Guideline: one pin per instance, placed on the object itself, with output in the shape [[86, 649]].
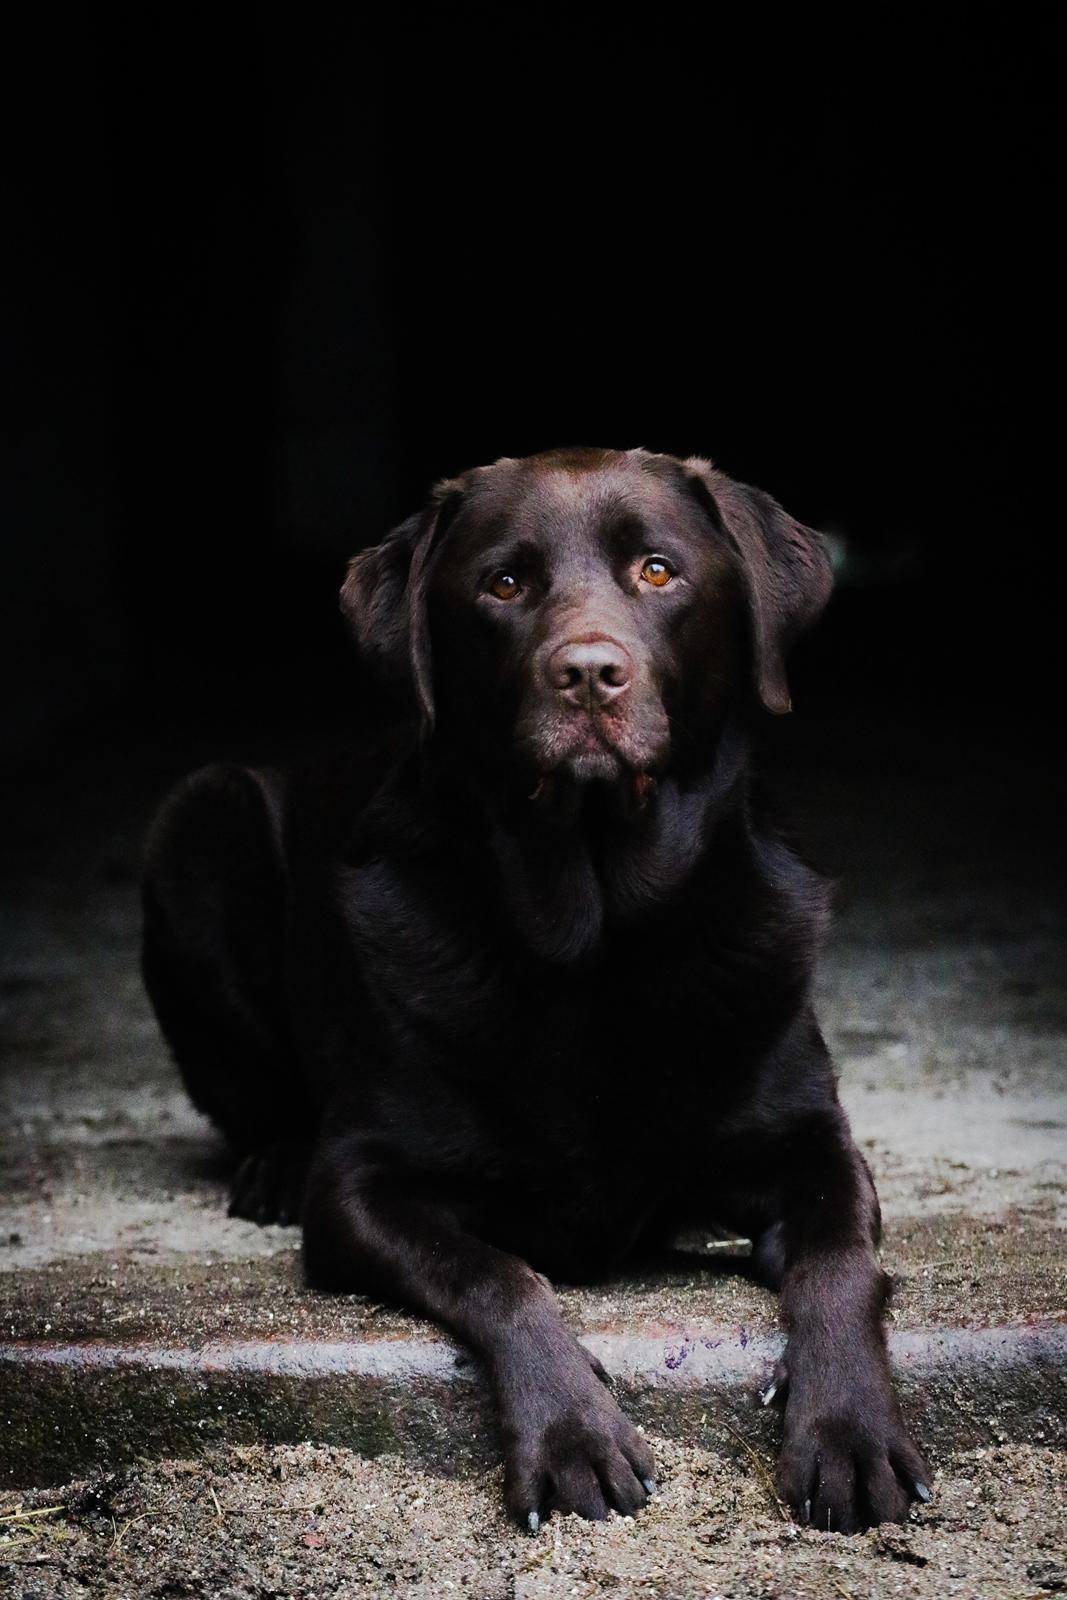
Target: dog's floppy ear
[[383, 600], [786, 569]]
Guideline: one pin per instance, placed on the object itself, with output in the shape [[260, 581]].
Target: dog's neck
[[566, 884]]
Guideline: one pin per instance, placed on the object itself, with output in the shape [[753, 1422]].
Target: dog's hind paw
[[268, 1186]]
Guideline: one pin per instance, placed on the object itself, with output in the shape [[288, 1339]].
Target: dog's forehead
[[570, 497]]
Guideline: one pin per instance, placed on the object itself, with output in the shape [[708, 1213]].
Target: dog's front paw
[[847, 1462], [568, 1446]]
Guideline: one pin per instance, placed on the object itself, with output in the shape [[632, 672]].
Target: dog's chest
[[640, 1043], [570, 1099], [588, 1061]]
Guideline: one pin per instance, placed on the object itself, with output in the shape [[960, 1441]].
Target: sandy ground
[[310, 1523]]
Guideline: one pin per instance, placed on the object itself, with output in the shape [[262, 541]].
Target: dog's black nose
[[589, 673]]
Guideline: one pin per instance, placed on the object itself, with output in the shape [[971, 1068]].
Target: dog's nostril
[[614, 674]]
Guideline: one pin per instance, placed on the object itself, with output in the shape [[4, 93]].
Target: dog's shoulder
[[334, 794]]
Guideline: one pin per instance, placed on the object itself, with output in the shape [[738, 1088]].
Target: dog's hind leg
[[213, 961]]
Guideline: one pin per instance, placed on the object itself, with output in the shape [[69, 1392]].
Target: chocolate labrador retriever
[[522, 980]]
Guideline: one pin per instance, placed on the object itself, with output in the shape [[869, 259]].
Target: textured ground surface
[[307, 1522], [944, 994]]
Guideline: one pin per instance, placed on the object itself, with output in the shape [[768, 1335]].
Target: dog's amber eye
[[505, 586], [657, 572]]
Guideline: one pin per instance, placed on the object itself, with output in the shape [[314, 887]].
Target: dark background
[[275, 277]]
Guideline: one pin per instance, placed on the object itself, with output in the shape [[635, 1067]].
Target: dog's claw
[[807, 1512], [533, 1522], [922, 1491], [649, 1486], [769, 1393]]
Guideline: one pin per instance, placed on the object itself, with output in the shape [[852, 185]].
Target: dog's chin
[[586, 766], [594, 781], [593, 764]]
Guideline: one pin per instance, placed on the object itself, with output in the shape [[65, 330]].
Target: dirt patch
[[311, 1523]]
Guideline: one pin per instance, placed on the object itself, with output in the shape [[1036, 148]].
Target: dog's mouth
[[569, 761], [591, 758]]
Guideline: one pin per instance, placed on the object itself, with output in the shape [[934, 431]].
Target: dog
[[520, 979]]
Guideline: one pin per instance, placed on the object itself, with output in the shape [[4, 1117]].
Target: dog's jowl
[[519, 980]]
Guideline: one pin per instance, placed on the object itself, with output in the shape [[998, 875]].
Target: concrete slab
[[105, 1403]]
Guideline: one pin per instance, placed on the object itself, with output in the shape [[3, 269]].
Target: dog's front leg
[[567, 1445], [847, 1461]]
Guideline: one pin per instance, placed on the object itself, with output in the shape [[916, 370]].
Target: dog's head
[[592, 613]]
